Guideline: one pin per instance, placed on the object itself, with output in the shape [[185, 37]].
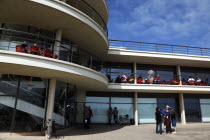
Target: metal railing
[[88, 10], [162, 79], [155, 47], [9, 39]]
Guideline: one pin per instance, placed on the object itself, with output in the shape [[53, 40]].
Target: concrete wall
[[80, 99]]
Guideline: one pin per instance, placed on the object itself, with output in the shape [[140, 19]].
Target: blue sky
[[177, 22]]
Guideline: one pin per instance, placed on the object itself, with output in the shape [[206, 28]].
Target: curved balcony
[[86, 8], [12, 40], [76, 25], [47, 58]]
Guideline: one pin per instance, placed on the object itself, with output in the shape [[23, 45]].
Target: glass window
[[100, 112], [121, 100], [8, 84], [124, 109], [147, 100], [28, 117], [146, 113], [205, 111], [97, 99], [33, 86], [192, 110], [6, 112]]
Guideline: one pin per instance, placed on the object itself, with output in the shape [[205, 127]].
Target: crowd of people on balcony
[[156, 79], [35, 49]]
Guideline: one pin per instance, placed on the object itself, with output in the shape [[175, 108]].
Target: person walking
[[110, 115], [115, 113], [90, 114], [158, 117], [86, 117], [173, 119]]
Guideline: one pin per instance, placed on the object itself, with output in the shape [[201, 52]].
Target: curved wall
[[76, 25], [38, 66]]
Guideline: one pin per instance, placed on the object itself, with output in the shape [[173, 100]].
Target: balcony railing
[[12, 40], [164, 48], [160, 79], [88, 10]]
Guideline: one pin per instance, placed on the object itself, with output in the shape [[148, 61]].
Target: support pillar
[[134, 72], [51, 99], [136, 108], [178, 71], [57, 44], [182, 109]]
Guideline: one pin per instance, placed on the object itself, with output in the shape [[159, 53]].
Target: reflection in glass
[[192, 110], [124, 109], [146, 113], [205, 110], [97, 99], [6, 112], [8, 84], [100, 112]]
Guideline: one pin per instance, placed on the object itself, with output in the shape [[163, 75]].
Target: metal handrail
[[155, 47], [69, 53], [91, 12]]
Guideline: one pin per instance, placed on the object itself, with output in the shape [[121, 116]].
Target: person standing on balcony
[[191, 81], [25, 46], [151, 74]]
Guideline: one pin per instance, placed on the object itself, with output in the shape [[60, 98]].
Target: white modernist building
[[56, 58]]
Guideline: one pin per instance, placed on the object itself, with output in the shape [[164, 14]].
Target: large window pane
[[124, 109], [146, 113], [100, 112], [8, 84], [121, 100], [6, 112], [192, 109], [205, 110], [97, 99]]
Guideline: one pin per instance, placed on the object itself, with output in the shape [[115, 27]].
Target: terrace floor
[[196, 131]]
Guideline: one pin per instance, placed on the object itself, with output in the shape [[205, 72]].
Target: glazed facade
[[69, 64]]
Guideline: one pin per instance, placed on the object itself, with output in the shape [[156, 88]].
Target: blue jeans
[[157, 125]]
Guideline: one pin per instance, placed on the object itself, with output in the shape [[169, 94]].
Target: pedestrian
[[86, 117], [173, 119], [115, 113], [110, 115], [158, 117], [167, 118], [90, 114]]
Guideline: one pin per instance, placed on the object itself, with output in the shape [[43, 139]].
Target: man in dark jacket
[[158, 116]]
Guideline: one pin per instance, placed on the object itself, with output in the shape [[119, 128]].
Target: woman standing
[[158, 120], [173, 119], [168, 121]]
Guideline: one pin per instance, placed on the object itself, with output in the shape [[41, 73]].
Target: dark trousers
[[157, 125], [115, 119], [168, 127], [87, 123]]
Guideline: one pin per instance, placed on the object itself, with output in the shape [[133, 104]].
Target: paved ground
[[141, 132]]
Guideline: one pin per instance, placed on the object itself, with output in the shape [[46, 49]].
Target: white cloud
[[168, 19]]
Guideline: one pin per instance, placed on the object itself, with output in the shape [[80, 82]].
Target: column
[[51, 99], [182, 109], [134, 72], [136, 108], [80, 103], [58, 37], [178, 71]]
